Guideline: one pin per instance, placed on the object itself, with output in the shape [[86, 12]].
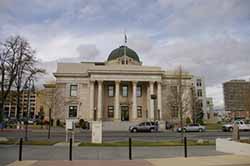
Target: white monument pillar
[[151, 103], [99, 104], [91, 100], [159, 101], [117, 102], [134, 106]]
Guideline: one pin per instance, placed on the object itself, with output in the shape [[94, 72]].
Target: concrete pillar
[[117, 101], [151, 102], [134, 106], [91, 100], [99, 101], [159, 101]]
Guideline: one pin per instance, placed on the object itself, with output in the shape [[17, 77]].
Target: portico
[[131, 100]]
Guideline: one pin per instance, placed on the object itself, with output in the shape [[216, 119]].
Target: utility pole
[[180, 101]]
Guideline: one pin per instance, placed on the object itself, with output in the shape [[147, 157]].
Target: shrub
[[188, 120], [81, 123]]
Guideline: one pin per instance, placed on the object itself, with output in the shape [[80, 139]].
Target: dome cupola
[[121, 51]]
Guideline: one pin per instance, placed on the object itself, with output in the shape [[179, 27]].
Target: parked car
[[144, 127], [192, 128], [240, 123]]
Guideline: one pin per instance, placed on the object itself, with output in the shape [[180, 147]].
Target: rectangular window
[[139, 111], [138, 91], [110, 111], [111, 91], [198, 83], [125, 91], [73, 90], [199, 92], [72, 111], [174, 111]]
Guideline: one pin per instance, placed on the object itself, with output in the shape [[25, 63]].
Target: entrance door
[[124, 113]]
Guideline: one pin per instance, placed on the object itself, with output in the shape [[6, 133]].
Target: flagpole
[[125, 47]]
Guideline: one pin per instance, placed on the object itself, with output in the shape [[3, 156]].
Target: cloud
[[141, 43], [87, 52]]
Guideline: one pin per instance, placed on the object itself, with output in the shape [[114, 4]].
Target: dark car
[[144, 127]]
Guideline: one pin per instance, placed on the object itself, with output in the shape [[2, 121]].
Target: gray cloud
[[217, 59], [87, 52]]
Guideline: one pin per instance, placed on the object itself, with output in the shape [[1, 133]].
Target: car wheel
[[184, 130], [152, 130], [200, 130], [230, 129], [134, 130]]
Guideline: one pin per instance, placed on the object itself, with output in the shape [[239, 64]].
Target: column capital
[[117, 81], [134, 82], [159, 82], [100, 81], [91, 81], [151, 82]]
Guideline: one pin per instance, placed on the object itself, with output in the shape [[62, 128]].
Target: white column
[[117, 102], [151, 103], [134, 106], [159, 101], [99, 102], [91, 100]]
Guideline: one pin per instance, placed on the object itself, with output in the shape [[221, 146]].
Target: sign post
[[70, 127]]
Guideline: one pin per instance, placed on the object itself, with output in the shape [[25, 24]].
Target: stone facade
[[120, 90]]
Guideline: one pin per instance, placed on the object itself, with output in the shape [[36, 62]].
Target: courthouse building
[[120, 91]]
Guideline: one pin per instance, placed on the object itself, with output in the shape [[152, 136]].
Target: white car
[[240, 123]]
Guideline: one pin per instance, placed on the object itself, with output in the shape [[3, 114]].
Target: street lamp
[[27, 86]]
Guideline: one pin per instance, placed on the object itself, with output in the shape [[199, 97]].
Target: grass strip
[[143, 143], [29, 142]]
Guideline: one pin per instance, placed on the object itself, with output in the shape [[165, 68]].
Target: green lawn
[[29, 142], [143, 143]]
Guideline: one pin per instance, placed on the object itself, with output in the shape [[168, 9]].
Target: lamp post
[[27, 86]]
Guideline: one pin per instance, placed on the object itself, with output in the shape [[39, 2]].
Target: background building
[[200, 91], [237, 98], [27, 99]]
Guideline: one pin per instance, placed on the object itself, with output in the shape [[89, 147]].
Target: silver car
[[192, 128], [144, 127]]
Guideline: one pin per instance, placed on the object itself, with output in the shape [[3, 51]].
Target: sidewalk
[[226, 160]]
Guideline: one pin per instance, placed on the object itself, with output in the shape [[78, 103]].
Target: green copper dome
[[119, 52]]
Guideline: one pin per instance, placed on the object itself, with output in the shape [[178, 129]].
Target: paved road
[[122, 136], [9, 153]]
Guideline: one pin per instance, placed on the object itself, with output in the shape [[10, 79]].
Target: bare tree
[[9, 51], [17, 68], [50, 98], [26, 70], [179, 99]]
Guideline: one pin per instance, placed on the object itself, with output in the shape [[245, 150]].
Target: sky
[[209, 38]]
